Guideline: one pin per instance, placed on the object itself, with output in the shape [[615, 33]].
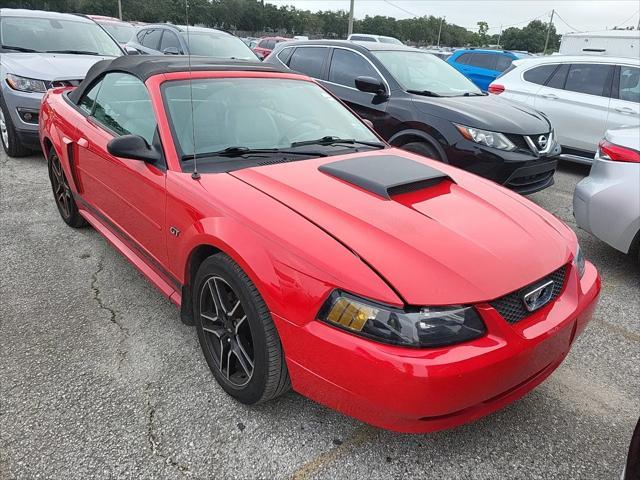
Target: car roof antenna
[[195, 175]]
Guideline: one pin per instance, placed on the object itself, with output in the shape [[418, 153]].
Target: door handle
[[83, 142], [626, 110], [550, 96]]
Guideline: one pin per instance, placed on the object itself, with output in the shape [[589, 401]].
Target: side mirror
[[171, 51], [129, 50], [370, 85], [134, 147]]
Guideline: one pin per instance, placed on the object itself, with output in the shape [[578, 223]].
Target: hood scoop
[[385, 175]]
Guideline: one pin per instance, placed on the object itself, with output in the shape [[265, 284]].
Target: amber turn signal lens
[[351, 314]]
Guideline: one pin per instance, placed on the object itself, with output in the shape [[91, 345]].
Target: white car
[[366, 37], [583, 96], [607, 202]]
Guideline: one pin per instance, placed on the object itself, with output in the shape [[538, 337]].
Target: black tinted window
[[270, 44], [123, 106], [346, 66], [558, 78], [629, 86], [480, 60], [284, 54], [263, 43], [89, 98], [503, 62], [308, 60], [170, 40], [539, 75], [592, 79], [152, 38]]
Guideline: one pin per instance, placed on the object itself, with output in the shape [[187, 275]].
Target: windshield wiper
[[19, 49], [331, 140], [74, 52], [245, 151], [426, 93], [473, 94]]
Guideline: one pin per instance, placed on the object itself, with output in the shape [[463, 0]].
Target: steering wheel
[[299, 130]]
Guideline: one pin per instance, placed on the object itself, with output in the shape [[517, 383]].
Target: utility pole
[[120, 9], [500, 36], [546, 42], [440, 29], [351, 18]]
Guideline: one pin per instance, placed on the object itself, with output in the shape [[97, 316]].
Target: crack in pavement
[[96, 296], [359, 436], [154, 441]]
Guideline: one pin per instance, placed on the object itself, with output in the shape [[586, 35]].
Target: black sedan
[[420, 103]]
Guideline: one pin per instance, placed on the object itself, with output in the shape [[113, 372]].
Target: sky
[[582, 15]]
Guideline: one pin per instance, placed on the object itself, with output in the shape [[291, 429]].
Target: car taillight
[[496, 88], [611, 151]]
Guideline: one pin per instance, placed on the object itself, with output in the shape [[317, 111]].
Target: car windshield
[[238, 114], [122, 32], [56, 36], [423, 72], [221, 45]]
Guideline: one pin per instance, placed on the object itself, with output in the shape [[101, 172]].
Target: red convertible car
[[310, 254]]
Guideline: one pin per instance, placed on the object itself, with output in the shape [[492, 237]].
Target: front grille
[[520, 141], [511, 306]]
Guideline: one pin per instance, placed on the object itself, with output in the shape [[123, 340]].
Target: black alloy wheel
[[62, 193], [236, 332]]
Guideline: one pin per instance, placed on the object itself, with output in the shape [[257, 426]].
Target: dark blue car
[[483, 66]]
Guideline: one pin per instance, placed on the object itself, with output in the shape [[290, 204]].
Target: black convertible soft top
[[145, 66]]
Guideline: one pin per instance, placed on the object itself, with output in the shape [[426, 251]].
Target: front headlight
[[487, 138], [25, 84], [417, 327], [578, 261]]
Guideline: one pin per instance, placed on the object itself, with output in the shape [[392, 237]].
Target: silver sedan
[[607, 202]]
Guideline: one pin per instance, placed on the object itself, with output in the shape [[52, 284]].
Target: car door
[[127, 195], [344, 67], [624, 105], [576, 100]]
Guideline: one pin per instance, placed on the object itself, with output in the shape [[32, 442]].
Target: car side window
[[347, 65], [140, 35], [559, 77], [629, 84], [483, 60], [503, 62], [88, 100], [285, 54], [263, 44], [170, 40], [308, 60], [152, 38], [539, 75], [589, 78], [123, 106], [356, 38], [463, 59], [270, 44]]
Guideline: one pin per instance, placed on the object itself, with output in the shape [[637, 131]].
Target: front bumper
[[519, 170], [607, 202], [423, 390], [23, 101]]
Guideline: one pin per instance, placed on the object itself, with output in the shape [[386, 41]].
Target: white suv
[[583, 96]]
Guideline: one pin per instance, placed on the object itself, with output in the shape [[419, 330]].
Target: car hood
[[49, 66], [488, 112], [463, 240]]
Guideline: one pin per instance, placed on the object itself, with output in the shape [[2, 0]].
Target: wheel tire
[[422, 148], [8, 136], [227, 335], [62, 192]]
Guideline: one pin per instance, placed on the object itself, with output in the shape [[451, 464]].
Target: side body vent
[[385, 175]]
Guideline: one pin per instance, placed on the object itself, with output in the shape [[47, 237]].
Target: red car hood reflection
[[464, 241]]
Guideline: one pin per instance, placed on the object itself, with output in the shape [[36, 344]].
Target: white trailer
[[612, 43]]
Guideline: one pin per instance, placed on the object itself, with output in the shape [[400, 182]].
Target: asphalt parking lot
[[100, 379]]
